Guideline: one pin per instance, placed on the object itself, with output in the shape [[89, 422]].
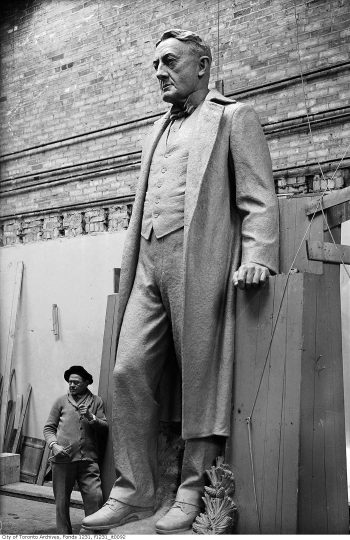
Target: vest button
[[163, 169]]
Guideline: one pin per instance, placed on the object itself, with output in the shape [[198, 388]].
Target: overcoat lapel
[[207, 128]]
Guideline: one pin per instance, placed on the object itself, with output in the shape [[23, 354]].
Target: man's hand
[[250, 275], [84, 411], [58, 450]]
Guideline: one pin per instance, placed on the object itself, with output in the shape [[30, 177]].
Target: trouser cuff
[[179, 500]]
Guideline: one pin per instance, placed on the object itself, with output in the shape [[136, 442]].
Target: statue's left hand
[[250, 275]]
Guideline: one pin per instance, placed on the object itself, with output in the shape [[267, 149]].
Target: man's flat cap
[[78, 370]]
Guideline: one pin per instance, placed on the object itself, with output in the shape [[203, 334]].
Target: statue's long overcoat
[[231, 217]]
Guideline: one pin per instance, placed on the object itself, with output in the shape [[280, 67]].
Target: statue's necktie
[[176, 113]]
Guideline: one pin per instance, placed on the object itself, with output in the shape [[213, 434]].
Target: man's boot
[[178, 519], [199, 455], [115, 513]]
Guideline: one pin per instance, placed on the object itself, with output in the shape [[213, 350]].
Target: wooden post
[[43, 466], [116, 279], [105, 390], [17, 441], [9, 351]]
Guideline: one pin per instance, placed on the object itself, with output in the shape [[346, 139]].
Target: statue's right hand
[[58, 450]]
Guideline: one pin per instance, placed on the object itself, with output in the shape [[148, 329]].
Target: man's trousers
[[64, 475], [151, 327]]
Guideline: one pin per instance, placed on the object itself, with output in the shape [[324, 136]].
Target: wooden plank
[[1, 388], [281, 484], [270, 420], [287, 517], [9, 359], [329, 200], [253, 332], [238, 454], [105, 390], [116, 276], [337, 215], [281, 461], [19, 402], [264, 300], [293, 225], [319, 514], [307, 391], [328, 252], [329, 404], [11, 411], [12, 417], [43, 466], [32, 450], [16, 442]]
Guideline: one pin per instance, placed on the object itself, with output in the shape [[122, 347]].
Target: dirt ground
[[25, 516]]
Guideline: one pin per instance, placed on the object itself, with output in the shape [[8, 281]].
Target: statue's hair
[[196, 43]]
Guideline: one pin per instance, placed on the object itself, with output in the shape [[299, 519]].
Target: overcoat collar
[[204, 138], [160, 125]]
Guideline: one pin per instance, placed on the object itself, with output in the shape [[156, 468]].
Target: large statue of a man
[[205, 220]]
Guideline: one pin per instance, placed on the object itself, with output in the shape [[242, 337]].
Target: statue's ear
[[204, 65]]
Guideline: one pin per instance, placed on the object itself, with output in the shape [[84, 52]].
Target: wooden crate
[[9, 468], [298, 428], [32, 450]]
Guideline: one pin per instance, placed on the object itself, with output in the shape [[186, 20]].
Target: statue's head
[[182, 63]]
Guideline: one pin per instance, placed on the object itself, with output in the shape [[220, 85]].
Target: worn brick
[[45, 100]]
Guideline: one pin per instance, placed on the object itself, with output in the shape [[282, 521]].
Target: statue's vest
[[164, 204]]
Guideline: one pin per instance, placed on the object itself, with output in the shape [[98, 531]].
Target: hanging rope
[[303, 85], [218, 40], [249, 425]]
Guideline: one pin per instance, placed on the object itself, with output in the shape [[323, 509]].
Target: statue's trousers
[[151, 329]]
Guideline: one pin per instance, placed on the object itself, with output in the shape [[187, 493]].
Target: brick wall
[[78, 94]]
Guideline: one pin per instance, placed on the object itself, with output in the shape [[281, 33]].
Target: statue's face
[[177, 69]]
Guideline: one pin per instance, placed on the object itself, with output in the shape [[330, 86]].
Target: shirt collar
[[190, 104]]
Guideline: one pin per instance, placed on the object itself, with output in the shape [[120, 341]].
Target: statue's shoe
[[179, 518], [115, 513]]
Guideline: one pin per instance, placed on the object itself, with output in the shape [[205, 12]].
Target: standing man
[[205, 220], [75, 428]]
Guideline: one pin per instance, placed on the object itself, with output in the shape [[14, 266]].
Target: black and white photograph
[[174, 268]]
